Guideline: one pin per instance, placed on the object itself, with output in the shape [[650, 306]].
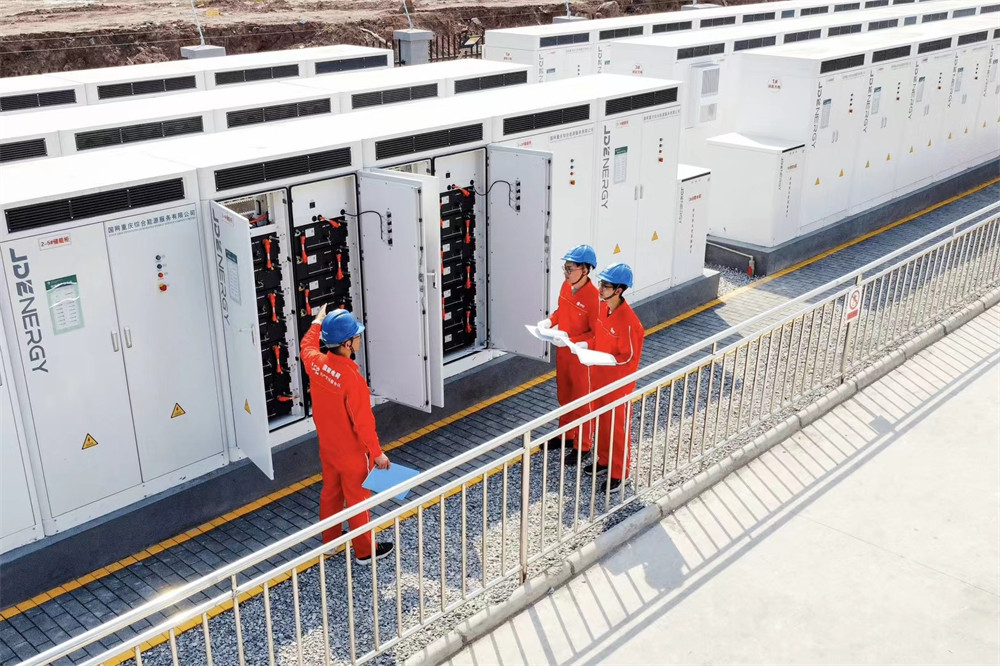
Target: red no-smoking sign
[[853, 309]]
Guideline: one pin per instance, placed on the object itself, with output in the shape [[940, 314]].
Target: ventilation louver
[[93, 205], [543, 119], [843, 30], [351, 64], [262, 172], [393, 96], [258, 74], [563, 40], [37, 100], [936, 45], [133, 88], [416, 143], [640, 101], [490, 81], [838, 64], [672, 27], [762, 16], [266, 114], [133, 133], [972, 38], [620, 33], [22, 150], [890, 54]]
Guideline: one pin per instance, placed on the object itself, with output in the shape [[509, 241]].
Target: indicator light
[[163, 287]]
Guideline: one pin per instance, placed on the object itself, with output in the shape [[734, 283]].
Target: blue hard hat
[[617, 274], [339, 326], [582, 254]]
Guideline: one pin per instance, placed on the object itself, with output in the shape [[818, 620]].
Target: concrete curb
[[530, 592]]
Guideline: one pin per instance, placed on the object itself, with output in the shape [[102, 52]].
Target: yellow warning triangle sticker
[[655, 237], [966, 130], [888, 156], [841, 174], [89, 442], [817, 181], [928, 144], [617, 250], [949, 135], [246, 406], [867, 164], [178, 411], [911, 149]]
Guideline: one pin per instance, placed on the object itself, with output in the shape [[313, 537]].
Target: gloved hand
[[582, 345], [545, 323], [321, 315], [560, 338]]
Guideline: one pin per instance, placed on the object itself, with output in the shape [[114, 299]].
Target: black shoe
[[615, 483], [574, 456], [555, 444], [381, 550], [601, 469]]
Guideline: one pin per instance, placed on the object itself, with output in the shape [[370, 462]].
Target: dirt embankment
[[65, 35]]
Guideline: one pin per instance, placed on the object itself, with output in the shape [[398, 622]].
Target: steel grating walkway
[[48, 619]]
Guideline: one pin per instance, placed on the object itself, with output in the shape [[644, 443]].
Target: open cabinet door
[[518, 242], [237, 295], [402, 286]]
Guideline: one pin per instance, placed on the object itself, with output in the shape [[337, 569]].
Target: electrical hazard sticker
[[178, 411], [246, 406], [89, 442]]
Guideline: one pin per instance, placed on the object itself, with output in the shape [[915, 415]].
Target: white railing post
[[525, 499]]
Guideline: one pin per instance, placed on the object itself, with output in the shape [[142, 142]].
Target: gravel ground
[[731, 279], [731, 399]]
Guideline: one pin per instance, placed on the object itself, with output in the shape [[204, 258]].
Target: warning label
[[246, 406], [89, 442], [178, 411]]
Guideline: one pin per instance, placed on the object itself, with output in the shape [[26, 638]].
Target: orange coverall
[[621, 335], [348, 442], [576, 315]]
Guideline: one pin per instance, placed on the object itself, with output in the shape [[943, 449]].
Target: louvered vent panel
[[262, 172], [192, 125], [180, 83], [973, 38], [244, 117], [143, 132], [92, 205], [641, 101], [226, 78], [149, 87], [570, 114], [424, 92], [281, 112], [350, 64], [36, 100], [258, 74], [396, 95], [314, 107], [841, 63], [113, 90], [22, 150], [98, 138], [890, 54], [416, 143], [936, 45], [362, 100]]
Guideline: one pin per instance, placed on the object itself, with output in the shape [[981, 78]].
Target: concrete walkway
[[872, 536]]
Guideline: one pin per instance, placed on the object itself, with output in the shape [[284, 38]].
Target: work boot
[[555, 443], [574, 456], [615, 483], [381, 550], [601, 469]]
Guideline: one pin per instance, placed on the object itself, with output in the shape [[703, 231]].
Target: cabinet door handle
[[128, 337], [635, 193], [114, 341], [640, 191]]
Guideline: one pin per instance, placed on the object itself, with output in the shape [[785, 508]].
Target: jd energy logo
[[220, 260], [30, 322], [606, 168]]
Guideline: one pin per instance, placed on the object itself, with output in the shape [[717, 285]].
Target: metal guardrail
[[521, 511]]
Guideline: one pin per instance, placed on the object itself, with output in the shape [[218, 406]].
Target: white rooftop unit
[[23, 94], [65, 131], [705, 60], [117, 83], [877, 114], [578, 48]]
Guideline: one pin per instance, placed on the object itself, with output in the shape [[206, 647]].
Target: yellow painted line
[[284, 492]]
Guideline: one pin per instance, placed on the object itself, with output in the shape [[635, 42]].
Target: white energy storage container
[[20, 522], [706, 60], [579, 48], [693, 200], [105, 307], [23, 94], [849, 101], [65, 131], [109, 84]]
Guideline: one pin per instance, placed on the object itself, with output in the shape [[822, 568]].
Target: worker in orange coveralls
[[576, 317], [620, 334], [348, 443]]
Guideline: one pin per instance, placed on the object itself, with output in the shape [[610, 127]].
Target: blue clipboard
[[380, 480]]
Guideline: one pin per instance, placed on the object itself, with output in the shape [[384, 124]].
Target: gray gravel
[[731, 279], [732, 400]]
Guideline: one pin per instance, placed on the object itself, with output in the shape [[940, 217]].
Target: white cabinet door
[[518, 243], [16, 514], [658, 206], [158, 273], [71, 350], [618, 192], [238, 301], [401, 294]]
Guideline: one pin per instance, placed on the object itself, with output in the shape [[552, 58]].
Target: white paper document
[[560, 339]]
